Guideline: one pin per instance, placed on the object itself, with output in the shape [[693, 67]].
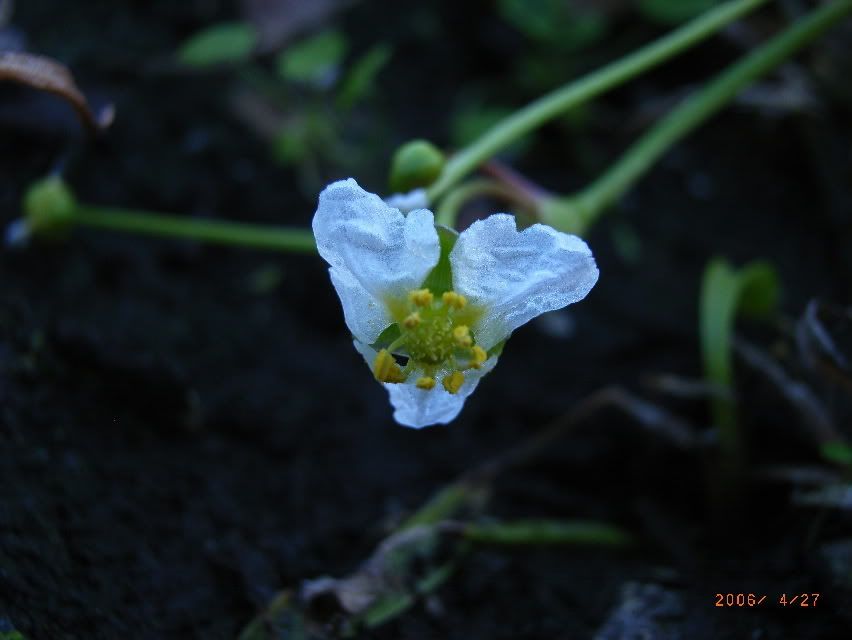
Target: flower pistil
[[435, 336]]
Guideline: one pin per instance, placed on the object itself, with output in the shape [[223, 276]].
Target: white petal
[[410, 201], [516, 276], [418, 408], [375, 252]]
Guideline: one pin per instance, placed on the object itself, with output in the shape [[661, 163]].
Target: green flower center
[[433, 333]]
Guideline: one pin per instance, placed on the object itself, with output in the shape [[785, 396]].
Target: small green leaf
[[358, 83], [725, 292], [223, 43], [753, 290], [290, 145], [560, 24], [546, 532], [759, 290], [837, 452], [669, 12], [315, 60]]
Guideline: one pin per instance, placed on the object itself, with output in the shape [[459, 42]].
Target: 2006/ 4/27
[[752, 600]]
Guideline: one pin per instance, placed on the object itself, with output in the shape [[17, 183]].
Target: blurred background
[[186, 430]]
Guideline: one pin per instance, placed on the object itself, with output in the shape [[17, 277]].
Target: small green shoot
[[315, 61], [360, 80], [726, 292], [546, 532], [838, 453], [223, 43]]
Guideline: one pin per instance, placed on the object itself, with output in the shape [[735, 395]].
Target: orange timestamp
[[758, 600]]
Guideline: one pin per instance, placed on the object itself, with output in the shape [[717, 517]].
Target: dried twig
[[818, 348], [813, 413], [46, 74]]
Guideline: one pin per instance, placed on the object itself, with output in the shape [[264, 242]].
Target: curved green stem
[[215, 231], [584, 89], [581, 210], [448, 211]]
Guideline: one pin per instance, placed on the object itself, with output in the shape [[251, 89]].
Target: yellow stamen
[[412, 320], [478, 356], [453, 299], [426, 383], [453, 382], [461, 335], [386, 369], [421, 297]]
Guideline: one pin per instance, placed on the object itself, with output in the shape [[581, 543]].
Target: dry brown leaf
[[823, 338], [45, 74]]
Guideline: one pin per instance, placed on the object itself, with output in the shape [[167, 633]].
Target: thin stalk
[[584, 89], [592, 201], [215, 231], [449, 209]]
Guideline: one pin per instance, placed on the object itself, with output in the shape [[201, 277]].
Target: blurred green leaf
[[546, 532], [724, 292], [759, 290], [358, 83], [669, 12], [837, 452], [226, 42], [289, 145], [315, 60], [562, 24]]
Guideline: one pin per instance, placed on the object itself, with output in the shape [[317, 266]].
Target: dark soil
[[176, 446]]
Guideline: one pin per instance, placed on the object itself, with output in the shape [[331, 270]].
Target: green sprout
[[725, 293]]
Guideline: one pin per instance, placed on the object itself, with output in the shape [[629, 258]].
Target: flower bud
[[415, 164], [49, 207]]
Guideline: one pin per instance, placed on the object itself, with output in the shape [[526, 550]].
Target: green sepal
[[387, 337], [497, 349], [440, 279]]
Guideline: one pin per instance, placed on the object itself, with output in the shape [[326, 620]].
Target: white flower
[[447, 320]]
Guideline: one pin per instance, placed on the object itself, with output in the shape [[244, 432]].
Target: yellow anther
[[478, 356], [453, 382], [386, 369], [426, 383], [454, 300], [412, 320], [461, 335], [421, 297]]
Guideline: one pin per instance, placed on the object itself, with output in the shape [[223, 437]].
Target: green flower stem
[[584, 89], [545, 532], [215, 231], [578, 212], [448, 211]]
